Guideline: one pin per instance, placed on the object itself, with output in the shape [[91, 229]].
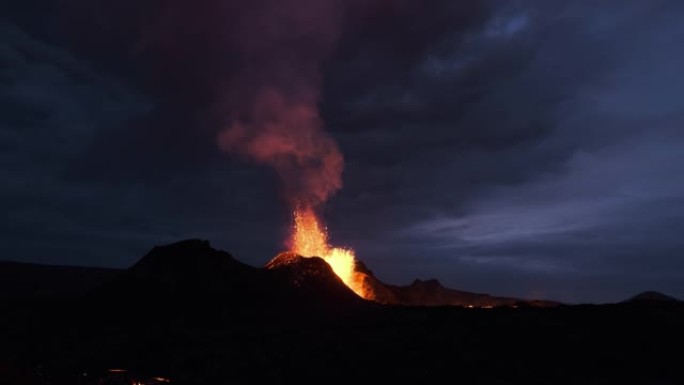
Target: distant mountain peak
[[652, 296], [186, 269], [433, 283], [185, 256]]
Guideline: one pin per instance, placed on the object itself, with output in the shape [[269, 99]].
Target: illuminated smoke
[[273, 99]]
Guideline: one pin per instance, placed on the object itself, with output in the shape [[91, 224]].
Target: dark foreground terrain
[[188, 314]]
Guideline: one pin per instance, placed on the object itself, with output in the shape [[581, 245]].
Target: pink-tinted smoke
[[288, 135], [252, 67], [272, 102]]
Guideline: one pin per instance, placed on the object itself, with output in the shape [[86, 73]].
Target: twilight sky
[[528, 148]]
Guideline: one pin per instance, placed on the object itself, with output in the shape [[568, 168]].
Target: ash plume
[[273, 98]]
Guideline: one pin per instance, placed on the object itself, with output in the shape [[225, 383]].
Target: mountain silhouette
[[432, 293], [192, 314], [184, 270], [192, 269], [652, 297]]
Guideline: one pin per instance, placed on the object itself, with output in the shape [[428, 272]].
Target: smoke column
[[273, 99]]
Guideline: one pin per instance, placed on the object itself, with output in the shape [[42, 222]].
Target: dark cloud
[[74, 192], [523, 148], [542, 143]]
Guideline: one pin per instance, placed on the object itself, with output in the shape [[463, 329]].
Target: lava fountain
[[310, 239]]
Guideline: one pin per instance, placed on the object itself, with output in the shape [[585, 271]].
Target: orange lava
[[310, 239]]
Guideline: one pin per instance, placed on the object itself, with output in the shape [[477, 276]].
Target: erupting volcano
[[310, 239], [275, 121]]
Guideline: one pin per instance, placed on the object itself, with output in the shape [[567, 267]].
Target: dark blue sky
[[524, 148]]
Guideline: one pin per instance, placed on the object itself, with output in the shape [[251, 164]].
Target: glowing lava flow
[[310, 239]]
